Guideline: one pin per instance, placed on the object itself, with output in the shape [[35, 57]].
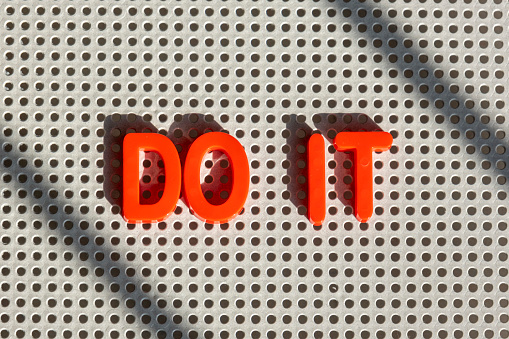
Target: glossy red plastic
[[316, 179], [133, 211], [216, 141], [363, 144]]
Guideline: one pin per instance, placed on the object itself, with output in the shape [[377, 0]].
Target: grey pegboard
[[78, 76]]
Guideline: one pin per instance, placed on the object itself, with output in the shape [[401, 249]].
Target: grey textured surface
[[432, 261]]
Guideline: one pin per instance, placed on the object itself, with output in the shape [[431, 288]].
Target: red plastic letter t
[[363, 144]]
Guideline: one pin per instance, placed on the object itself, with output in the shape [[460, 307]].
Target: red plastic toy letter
[[133, 211], [363, 144], [316, 179], [227, 144]]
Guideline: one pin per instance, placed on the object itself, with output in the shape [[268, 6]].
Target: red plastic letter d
[[133, 211]]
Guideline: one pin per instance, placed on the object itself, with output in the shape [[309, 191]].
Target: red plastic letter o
[[216, 141]]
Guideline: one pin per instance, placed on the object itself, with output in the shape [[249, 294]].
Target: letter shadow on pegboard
[[297, 135], [184, 129]]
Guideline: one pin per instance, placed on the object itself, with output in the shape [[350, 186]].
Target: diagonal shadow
[[148, 306], [430, 83]]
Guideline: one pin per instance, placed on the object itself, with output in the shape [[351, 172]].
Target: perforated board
[[78, 76]]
